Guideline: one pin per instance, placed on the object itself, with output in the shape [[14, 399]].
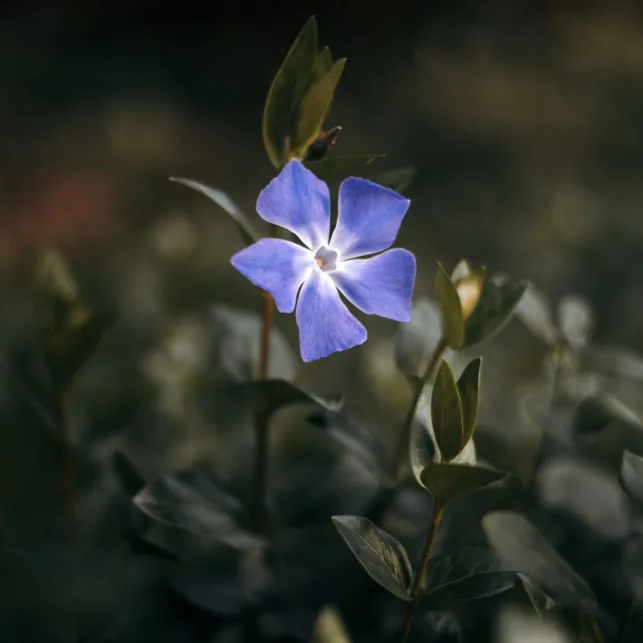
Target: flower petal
[[325, 324], [277, 266], [369, 218], [381, 285], [298, 201]]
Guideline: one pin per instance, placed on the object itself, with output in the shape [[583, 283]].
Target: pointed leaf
[[467, 574], [446, 413], [290, 85], [340, 167], [315, 107], [468, 386], [447, 481], [527, 550], [323, 64], [247, 230], [542, 602], [450, 309], [380, 554], [271, 395], [494, 309]]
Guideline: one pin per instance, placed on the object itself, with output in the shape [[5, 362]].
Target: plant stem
[[67, 477], [416, 589], [261, 425], [402, 450]]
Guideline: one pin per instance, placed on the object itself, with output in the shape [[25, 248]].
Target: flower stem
[[402, 450], [416, 589], [261, 425]]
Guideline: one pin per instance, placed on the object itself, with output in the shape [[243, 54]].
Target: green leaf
[[526, 550], [131, 479], [447, 481], [323, 63], [340, 167], [281, 112], [450, 309], [247, 230], [534, 311], [469, 386], [468, 574], [382, 556], [496, 305], [446, 413], [315, 107]]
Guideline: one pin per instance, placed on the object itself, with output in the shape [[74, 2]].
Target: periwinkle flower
[[368, 221]]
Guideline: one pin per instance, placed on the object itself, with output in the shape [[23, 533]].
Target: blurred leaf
[[397, 180], [543, 603], [450, 309], [526, 550], [330, 628], [496, 305], [271, 395], [281, 111], [446, 413], [415, 340], [534, 311], [199, 506], [468, 387], [315, 107], [380, 554], [576, 319], [466, 575], [247, 230], [236, 348], [128, 475], [617, 361], [340, 167], [632, 475], [447, 481]]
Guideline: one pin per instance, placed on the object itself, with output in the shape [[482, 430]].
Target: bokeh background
[[522, 120]]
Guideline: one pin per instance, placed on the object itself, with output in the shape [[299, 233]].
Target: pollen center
[[326, 259]]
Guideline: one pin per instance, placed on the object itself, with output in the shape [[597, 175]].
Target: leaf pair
[[300, 97], [468, 574], [474, 307], [454, 407]]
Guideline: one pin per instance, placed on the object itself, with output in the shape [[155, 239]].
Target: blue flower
[[368, 221]]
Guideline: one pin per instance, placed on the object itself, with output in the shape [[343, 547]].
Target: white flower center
[[326, 259]]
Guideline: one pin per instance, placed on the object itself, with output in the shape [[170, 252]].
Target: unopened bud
[[469, 291]]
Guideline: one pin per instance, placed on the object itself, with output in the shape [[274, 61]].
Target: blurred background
[[522, 119]]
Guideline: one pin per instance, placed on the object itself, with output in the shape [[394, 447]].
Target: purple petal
[[381, 285], [298, 201], [277, 266], [325, 324], [369, 218]]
